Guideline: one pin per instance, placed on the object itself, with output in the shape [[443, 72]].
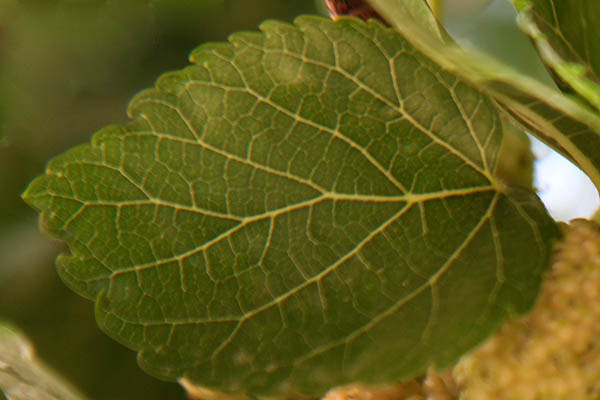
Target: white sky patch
[[566, 192]]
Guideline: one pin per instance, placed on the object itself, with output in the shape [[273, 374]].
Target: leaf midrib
[[272, 216], [487, 216]]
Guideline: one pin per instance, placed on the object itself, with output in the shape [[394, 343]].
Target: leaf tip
[[35, 194]]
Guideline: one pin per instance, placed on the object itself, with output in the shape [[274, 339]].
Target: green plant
[[318, 205]]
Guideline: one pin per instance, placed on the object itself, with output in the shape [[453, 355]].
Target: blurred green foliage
[[69, 67]]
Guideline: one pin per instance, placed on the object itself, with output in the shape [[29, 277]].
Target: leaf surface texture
[[303, 207]]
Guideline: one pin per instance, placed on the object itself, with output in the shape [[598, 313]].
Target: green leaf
[[565, 34], [571, 28], [564, 123], [22, 377], [302, 208]]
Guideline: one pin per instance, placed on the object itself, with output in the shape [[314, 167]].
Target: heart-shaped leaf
[[302, 208]]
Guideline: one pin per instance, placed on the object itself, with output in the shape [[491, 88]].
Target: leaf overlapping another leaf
[[565, 124], [563, 33], [304, 207]]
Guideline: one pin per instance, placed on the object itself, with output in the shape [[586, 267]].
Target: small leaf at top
[[571, 28], [566, 34], [305, 207]]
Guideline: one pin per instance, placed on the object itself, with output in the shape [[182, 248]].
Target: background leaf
[[304, 207], [24, 378], [564, 35]]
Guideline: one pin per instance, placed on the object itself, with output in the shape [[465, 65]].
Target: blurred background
[[69, 67]]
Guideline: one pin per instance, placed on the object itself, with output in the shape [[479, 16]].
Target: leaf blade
[[269, 240]]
